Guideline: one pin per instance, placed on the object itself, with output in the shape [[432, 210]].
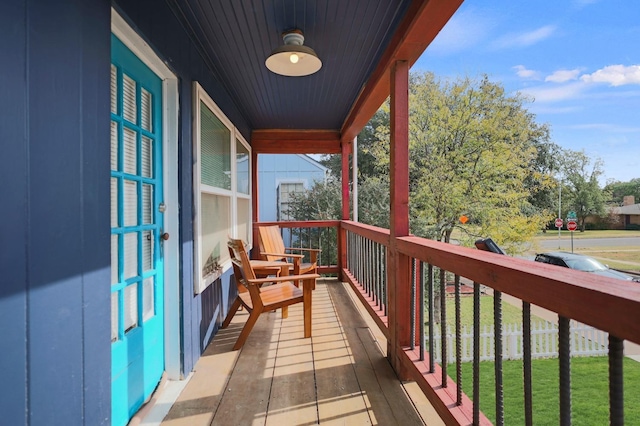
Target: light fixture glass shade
[[293, 59]]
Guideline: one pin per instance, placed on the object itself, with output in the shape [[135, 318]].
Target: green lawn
[[510, 313], [589, 387]]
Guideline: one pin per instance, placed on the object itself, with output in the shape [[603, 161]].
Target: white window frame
[[305, 185], [200, 95]]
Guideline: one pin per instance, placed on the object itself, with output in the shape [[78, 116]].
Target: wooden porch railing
[[320, 234], [607, 304]]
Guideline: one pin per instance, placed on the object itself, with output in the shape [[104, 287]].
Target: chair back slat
[[271, 242]]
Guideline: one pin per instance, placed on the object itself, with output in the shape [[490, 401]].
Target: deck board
[[338, 376]]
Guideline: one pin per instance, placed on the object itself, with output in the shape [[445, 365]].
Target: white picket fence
[[585, 341]]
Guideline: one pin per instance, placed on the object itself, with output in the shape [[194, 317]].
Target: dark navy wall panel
[[157, 23], [96, 242], [68, 216], [54, 244], [13, 225], [54, 250]]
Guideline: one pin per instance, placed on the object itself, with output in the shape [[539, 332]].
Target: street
[[565, 242]]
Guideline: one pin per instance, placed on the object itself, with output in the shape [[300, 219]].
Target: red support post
[[399, 264], [254, 203], [345, 180], [342, 243]]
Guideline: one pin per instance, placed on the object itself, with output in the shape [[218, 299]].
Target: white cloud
[[562, 76], [615, 75], [556, 93], [523, 72], [465, 30], [613, 128], [583, 3], [524, 39]]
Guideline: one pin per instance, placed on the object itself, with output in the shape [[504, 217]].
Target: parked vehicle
[[581, 262]]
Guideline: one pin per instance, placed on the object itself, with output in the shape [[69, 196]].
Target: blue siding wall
[[155, 21], [54, 183], [276, 168], [54, 253]]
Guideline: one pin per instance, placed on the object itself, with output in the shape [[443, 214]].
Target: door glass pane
[[147, 250], [114, 259], [130, 152], [130, 306], [147, 157], [129, 99], [147, 204], [130, 255], [114, 89], [146, 110], [242, 167], [114, 145], [115, 314], [130, 203], [215, 150], [216, 221], [147, 299], [114, 202]]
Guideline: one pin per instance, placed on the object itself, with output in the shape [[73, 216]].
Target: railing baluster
[[421, 304], [526, 359], [386, 280], [497, 318], [431, 320], [413, 304], [377, 260], [564, 351], [476, 353], [443, 326], [616, 388], [458, 342]]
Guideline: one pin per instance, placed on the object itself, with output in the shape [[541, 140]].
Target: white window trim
[[199, 94], [305, 185]]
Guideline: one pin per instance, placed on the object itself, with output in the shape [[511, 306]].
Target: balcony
[[339, 374], [381, 318]]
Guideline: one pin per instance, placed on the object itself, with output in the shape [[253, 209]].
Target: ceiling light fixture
[[293, 59]]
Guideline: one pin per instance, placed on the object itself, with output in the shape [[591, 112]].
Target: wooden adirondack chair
[[258, 300], [272, 248]]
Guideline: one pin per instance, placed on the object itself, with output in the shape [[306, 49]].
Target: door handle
[[164, 236]]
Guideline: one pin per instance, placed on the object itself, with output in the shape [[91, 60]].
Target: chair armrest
[[298, 256], [303, 249], [283, 279]]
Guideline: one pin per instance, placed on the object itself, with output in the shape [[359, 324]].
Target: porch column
[[345, 180], [342, 240], [254, 204], [399, 274]]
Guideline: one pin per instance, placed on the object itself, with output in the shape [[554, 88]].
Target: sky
[[579, 60]]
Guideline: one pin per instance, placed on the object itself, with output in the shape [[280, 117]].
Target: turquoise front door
[[137, 329]]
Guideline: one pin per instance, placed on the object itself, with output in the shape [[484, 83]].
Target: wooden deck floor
[[338, 376]]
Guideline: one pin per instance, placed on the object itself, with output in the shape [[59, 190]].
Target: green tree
[[619, 190], [583, 192], [367, 162], [471, 150]]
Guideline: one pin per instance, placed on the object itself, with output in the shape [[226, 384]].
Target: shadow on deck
[[339, 375]]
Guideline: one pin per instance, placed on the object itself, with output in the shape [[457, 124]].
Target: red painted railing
[[364, 259]]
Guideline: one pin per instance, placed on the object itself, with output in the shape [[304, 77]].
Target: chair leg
[[251, 321], [307, 288], [232, 312]]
